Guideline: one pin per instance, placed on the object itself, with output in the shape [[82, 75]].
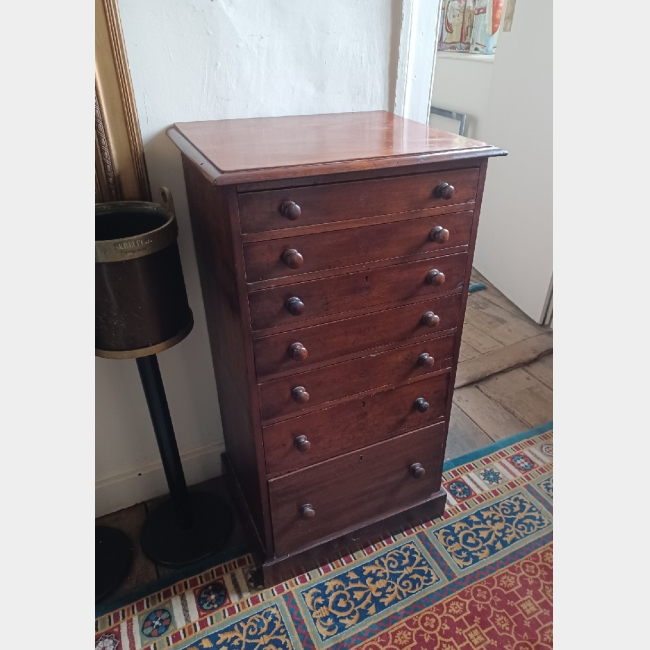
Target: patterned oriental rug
[[479, 577]]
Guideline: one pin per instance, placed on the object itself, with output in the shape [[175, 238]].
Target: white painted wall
[[462, 84], [509, 104], [215, 59], [514, 248]]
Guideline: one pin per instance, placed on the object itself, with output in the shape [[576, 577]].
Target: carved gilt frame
[[120, 168]]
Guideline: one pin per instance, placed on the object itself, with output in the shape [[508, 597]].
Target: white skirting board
[[147, 482]]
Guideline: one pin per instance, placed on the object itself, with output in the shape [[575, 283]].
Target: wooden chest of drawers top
[[271, 148], [334, 253]]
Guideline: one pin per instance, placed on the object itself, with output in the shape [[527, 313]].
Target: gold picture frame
[[120, 167]]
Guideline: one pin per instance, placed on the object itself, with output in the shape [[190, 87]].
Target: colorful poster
[[470, 26]]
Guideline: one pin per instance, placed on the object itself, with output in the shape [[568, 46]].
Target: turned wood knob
[[292, 258], [417, 470], [430, 319], [292, 210], [421, 405], [307, 511], [300, 395], [302, 444], [435, 277], [444, 191], [295, 306], [439, 235], [426, 360], [298, 352]]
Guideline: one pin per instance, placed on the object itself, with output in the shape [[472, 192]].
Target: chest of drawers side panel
[[213, 212]]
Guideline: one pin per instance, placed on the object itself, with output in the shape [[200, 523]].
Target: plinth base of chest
[[279, 569], [346, 542]]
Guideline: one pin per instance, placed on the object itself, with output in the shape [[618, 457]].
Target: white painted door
[[514, 249]]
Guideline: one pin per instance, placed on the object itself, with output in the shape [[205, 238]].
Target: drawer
[[276, 258], [353, 425], [354, 489], [304, 206], [290, 304], [282, 397], [277, 353]]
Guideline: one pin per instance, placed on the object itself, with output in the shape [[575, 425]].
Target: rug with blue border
[[478, 577]]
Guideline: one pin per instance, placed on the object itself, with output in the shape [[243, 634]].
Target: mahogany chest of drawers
[[335, 253]]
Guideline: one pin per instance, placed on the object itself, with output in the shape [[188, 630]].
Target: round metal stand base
[[113, 555], [166, 544]]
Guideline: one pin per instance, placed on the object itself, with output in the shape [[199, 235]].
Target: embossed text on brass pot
[[300, 395], [435, 277], [307, 511], [430, 319], [426, 360], [444, 191], [295, 306], [298, 352], [421, 405], [291, 210], [302, 444], [292, 258], [417, 470], [439, 235]]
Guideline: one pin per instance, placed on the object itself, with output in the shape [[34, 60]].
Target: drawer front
[[353, 425], [304, 206], [353, 489], [319, 298], [280, 397], [274, 354], [273, 259]]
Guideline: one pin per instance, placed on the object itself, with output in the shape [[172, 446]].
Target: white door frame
[[416, 59]]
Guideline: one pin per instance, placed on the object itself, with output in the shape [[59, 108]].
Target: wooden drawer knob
[[292, 210], [295, 306], [430, 319], [417, 470], [300, 395], [302, 444], [444, 191], [307, 511], [421, 405], [292, 258], [439, 235], [435, 277], [426, 360], [298, 352]]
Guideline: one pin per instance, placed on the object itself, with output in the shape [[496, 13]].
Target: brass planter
[[141, 305]]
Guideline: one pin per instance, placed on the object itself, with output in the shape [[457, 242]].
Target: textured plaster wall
[[216, 59]]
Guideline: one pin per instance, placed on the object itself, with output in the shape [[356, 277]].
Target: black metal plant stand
[[141, 309], [189, 526]]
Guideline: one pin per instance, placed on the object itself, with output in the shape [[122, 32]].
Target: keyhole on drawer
[[363, 405], [366, 278], [360, 458]]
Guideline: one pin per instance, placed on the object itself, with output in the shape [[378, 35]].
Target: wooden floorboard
[[503, 326], [479, 340], [467, 352], [464, 436], [542, 370], [495, 361], [487, 414], [521, 395], [495, 296]]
